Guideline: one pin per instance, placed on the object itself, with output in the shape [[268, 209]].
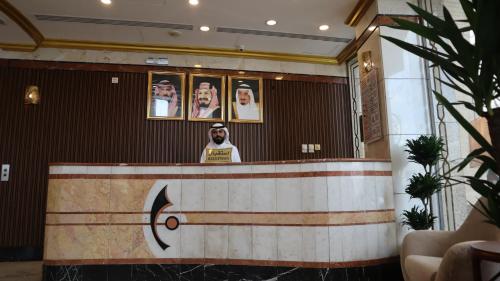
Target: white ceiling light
[[204, 28], [324, 27], [193, 2], [271, 22], [106, 2], [197, 65]]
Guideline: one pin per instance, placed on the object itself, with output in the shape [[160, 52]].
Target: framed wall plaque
[[246, 99], [206, 97], [166, 92]]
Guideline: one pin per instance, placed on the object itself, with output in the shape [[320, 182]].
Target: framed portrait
[[166, 92], [246, 99], [206, 97]]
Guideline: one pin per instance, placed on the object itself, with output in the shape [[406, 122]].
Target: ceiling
[[234, 24]]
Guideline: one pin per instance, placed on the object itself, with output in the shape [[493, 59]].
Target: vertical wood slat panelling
[[84, 118]]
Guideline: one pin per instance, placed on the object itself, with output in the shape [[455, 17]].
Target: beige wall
[[138, 58]]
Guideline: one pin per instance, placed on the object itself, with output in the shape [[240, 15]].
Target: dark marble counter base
[[171, 272]]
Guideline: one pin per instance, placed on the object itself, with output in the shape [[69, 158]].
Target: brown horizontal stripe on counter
[[218, 212], [212, 218], [305, 161], [224, 176], [345, 264]]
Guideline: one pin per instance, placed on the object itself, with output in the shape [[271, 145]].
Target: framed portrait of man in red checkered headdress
[[206, 97]]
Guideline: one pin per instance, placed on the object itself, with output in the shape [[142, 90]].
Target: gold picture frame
[[160, 104], [205, 87], [251, 114]]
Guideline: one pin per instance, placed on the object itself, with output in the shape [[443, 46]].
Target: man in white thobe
[[219, 149]]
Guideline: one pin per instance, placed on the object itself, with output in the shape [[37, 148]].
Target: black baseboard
[[207, 272], [21, 254]]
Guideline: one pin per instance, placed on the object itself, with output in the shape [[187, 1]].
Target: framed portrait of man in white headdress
[[206, 97], [246, 101], [166, 92]]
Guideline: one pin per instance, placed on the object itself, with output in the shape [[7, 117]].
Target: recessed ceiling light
[[197, 65], [241, 72], [271, 22], [279, 77], [204, 28], [324, 27], [193, 2], [106, 2]]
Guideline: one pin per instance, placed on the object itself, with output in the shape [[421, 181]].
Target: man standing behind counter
[[219, 149]]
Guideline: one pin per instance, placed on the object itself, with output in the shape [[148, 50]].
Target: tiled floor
[[21, 271]]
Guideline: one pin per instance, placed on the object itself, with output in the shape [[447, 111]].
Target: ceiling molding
[[358, 12], [18, 47], [23, 22], [282, 34], [65, 19], [123, 47]]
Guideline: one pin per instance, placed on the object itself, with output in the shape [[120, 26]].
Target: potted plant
[[472, 69], [426, 151]]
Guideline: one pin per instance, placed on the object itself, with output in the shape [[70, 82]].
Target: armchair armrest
[[427, 243]]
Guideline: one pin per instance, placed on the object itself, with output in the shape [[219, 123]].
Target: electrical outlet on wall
[[311, 148], [304, 148], [4, 176]]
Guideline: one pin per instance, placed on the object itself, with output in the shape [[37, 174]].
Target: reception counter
[[292, 220]]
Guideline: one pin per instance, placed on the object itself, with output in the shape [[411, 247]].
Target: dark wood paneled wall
[[84, 118]]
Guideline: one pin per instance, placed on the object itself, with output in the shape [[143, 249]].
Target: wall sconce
[[32, 95], [367, 61]]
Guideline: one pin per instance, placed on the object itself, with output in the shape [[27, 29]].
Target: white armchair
[[444, 255]]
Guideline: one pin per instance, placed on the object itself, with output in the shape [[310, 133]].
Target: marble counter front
[[323, 214]]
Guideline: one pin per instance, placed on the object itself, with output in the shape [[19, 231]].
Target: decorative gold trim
[[358, 12], [23, 22], [230, 94], [222, 95], [96, 45], [182, 76], [17, 47]]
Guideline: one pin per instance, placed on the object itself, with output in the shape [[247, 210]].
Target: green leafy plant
[[418, 219], [422, 186], [472, 69], [426, 151]]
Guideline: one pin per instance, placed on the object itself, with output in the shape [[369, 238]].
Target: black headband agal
[[218, 126]]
